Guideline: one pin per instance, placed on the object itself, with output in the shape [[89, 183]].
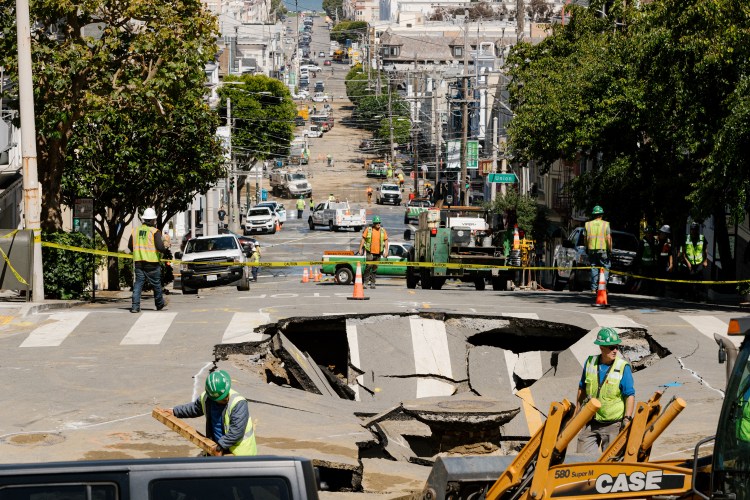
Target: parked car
[[320, 97], [572, 253], [314, 67], [342, 264], [203, 264], [313, 131], [415, 207], [388, 193], [320, 87], [277, 209], [259, 220], [321, 54], [327, 62]]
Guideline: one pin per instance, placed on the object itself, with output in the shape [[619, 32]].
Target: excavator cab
[[730, 477]]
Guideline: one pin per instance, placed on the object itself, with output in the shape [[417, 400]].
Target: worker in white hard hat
[[147, 244]]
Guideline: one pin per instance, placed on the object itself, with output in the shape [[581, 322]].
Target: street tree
[[332, 7], [349, 30], [357, 84], [95, 56]]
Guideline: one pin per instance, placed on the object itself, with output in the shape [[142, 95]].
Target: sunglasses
[[611, 347]]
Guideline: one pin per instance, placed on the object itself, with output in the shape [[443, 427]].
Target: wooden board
[[184, 430]]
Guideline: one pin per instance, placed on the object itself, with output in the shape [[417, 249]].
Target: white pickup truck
[[337, 215]]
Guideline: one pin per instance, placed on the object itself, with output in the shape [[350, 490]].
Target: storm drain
[[453, 384]]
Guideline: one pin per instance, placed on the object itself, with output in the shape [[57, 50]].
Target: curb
[[29, 309]]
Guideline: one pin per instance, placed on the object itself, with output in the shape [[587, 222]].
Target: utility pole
[[32, 191], [494, 156], [438, 131], [233, 212], [415, 131], [465, 118], [390, 123], [519, 20]]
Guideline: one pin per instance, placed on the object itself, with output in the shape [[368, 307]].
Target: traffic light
[[231, 183]]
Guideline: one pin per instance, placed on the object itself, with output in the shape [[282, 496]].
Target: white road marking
[[149, 329], [615, 320], [430, 387], [241, 327], [582, 349], [708, 325], [522, 315], [529, 365], [510, 364], [53, 334], [431, 356], [353, 340]]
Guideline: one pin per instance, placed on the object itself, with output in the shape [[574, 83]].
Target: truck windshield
[[211, 244], [732, 448], [259, 211], [297, 177]]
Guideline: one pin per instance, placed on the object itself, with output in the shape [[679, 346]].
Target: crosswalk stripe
[[522, 315], [53, 334], [149, 329], [353, 341], [615, 320], [708, 325], [241, 327], [431, 356]]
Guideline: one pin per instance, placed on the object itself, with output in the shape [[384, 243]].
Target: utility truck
[[337, 215], [457, 236], [290, 183]]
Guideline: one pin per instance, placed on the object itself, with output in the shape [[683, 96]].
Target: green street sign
[[502, 178], [472, 155]]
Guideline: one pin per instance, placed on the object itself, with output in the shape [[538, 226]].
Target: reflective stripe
[[596, 234], [743, 423], [694, 252], [246, 446], [613, 404], [648, 258], [368, 239], [144, 247]]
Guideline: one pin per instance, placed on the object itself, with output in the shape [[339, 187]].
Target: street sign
[[453, 155], [502, 178], [472, 155]]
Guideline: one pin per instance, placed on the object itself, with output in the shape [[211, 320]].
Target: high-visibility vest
[[743, 422], [596, 234], [368, 239], [144, 247], [694, 252], [246, 446], [300, 204], [609, 395], [255, 257], [648, 257]]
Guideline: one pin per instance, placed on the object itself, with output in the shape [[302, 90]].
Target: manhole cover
[[36, 439]]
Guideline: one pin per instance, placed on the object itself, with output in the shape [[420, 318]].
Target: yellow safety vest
[[694, 252], [300, 204], [144, 247], [596, 234], [609, 395], [368, 239], [245, 447]]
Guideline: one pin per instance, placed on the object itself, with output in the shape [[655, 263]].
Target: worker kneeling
[[228, 421], [608, 378]]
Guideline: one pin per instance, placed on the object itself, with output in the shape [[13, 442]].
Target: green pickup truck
[[343, 264]]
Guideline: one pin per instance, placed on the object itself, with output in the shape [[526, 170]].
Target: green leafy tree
[[101, 61], [332, 7], [357, 84], [401, 130], [349, 30]]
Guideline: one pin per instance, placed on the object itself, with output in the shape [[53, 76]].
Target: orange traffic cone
[[305, 277], [278, 226], [316, 274], [359, 289], [601, 291], [516, 239]]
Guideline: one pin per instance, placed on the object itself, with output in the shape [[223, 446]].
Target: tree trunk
[[113, 242], [728, 268], [50, 165]]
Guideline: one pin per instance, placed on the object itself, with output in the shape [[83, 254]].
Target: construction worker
[[369, 194], [389, 172], [331, 197], [300, 206], [312, 205], [598, 246], [146, 244], [401, 179], [694, 258], [608, 378], [329, 159], [254, 260], [646, 258], [228, 421], [665, 259], [375, 243]]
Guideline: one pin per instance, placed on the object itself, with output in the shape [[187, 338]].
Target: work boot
[[135, 310], [165, 303]]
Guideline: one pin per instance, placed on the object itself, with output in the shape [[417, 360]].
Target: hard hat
[[376, 219], [597, 210], [665, 229], [694, 225], [607, 336], [218, 384], [149, 214]]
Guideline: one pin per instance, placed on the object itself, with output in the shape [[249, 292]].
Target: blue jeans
[[599, 259], [153, 274]]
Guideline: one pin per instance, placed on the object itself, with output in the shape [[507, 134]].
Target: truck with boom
[[624, 470], [337, 215], [458, 236], [291, 183]]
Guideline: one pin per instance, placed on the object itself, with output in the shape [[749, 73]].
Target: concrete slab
[[490, 372], [320, 380], [388, 476], [461, 328], [393, 441], [464, 409]]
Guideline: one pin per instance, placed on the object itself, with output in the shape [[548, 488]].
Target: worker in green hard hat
[[598, 246], [228, 421], [375, 244], [607, 377]]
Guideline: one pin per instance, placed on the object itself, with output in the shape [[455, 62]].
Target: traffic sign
[[472, 155], [502, 178]]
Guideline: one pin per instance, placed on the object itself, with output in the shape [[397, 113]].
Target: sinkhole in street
[[446, 382]]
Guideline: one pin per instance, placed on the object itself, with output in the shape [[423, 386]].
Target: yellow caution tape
[[353, 263], [7, 260]]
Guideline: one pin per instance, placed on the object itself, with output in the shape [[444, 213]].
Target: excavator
[[542, 471]]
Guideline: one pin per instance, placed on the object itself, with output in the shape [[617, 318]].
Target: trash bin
[[263, 195]]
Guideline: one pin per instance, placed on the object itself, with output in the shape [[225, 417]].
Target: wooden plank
[[184, 430]]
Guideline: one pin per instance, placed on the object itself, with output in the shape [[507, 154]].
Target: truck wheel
[[557, 285], [188, 291], [573, 282], [310, 224], [357, 229], [499, 283], [406, 219], [272, 231], [411, 278], [331, 227], [343, 276], [437, 283], [479, 283], [244, 285], [425, 278]]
